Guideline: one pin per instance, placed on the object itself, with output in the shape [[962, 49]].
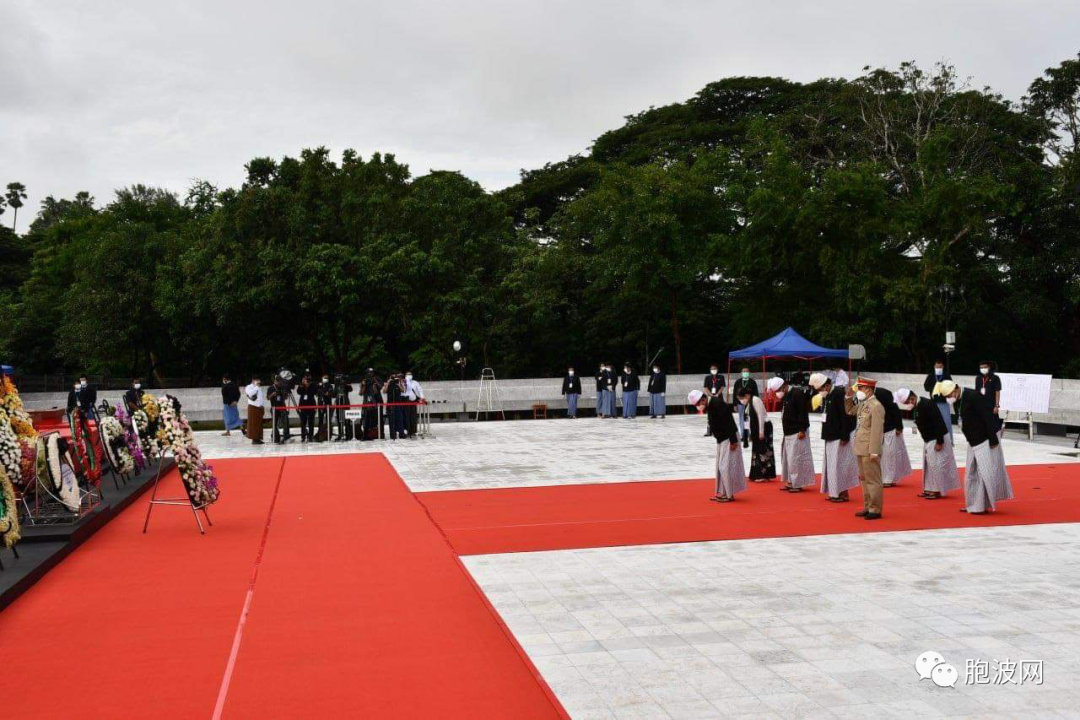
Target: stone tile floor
[[560, 451], [826, 626]]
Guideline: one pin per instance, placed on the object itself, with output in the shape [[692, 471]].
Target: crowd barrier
[[352, 413]]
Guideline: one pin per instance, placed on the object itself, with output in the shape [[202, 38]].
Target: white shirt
[[413, 391], [256, 395], [762, 414]]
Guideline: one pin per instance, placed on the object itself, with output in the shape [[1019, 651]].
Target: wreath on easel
[[114, 438], [87, 446], [176, 434]]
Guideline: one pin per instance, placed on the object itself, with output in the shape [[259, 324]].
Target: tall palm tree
[[16, 193]]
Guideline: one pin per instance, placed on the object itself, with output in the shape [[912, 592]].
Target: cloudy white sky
[[97, 95]]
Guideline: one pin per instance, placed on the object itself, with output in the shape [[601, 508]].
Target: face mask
[[408, 377], [82, 383], [950, 400], [626, 370], [908, 408], [860, 395], [326, 380], [984, 371], [570, 373], [137, 386], [939, 371], [76, 387], [745, 375], [713, 371], [779, 394], [656, 370]]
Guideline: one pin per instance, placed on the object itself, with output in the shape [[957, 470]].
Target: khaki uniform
[[869, 439]]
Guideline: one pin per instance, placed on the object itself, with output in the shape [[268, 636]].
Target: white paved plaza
[[802, 627]]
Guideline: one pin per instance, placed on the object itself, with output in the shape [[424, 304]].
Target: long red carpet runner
[[562, 517]]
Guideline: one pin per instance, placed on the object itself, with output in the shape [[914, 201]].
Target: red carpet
[[360, 609], [478, 522], [132, 625]]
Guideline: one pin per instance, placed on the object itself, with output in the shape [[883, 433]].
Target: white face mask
[[779, 394], [908, 407], [950, 400], [713, 371], [77, 387], [326, 380], [860, 395], [82, 383], [626, 370], [570, 373], [137, 386], [984, 371], [656, 370], [939, 371], [408, 377]]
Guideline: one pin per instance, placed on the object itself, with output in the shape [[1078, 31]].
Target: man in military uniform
[[869, 439]]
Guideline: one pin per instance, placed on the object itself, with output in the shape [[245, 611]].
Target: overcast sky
[[98, 95]]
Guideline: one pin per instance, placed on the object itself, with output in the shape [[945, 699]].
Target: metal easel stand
[[174, 501], [489, 394], [424, 425]]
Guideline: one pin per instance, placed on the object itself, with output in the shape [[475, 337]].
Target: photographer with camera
[[278, 396], [343, 390], [307, 394], [325, 397], [371, 394], [395, 390]]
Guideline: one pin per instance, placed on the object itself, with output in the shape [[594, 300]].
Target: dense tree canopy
[[881, 210]]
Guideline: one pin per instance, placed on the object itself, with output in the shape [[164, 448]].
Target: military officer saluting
[[869, 440]]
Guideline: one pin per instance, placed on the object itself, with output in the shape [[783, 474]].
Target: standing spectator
[[413, 393], [73, 398], [939, 374], [989, 386], [394, 389], [256, 398], [657, 389], [744, 381], [133, 397], [601, 393], [571, 388], [371, 397], [325, 397], [230, 396], [278, 396], [307, 397], [631, 385], [714, 387]]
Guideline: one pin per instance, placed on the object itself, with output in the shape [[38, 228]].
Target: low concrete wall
[[520, 394]]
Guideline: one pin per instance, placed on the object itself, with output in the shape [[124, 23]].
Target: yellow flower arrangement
[[150, 406]]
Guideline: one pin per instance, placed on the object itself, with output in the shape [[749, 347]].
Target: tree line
[[880, 210]]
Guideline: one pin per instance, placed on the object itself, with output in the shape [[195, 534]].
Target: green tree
[[16, 193]]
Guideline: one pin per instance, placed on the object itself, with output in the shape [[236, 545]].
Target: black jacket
[[713, 383], [133, 397], [571, 385], [929, 421], [932, 380], [838, 424], [721, 421], [739, 384], [600, 380], [230, 393], [894, 420], [977, 421], [630, 381], [795, 417], [308, 395], [658, 382]]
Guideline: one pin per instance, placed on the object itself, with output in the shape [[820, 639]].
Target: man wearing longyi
[[869, 440]]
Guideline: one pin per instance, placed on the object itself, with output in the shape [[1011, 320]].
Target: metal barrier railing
[[345, 417]]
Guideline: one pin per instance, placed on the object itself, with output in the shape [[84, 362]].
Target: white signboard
[[1021, 392], [354, 414]]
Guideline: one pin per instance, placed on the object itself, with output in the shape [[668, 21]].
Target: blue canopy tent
[[786, 344]]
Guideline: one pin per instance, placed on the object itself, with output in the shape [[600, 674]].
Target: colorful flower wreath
[[9, 514], [131, 439], [87, 447], [175, 433], [12, 411]]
